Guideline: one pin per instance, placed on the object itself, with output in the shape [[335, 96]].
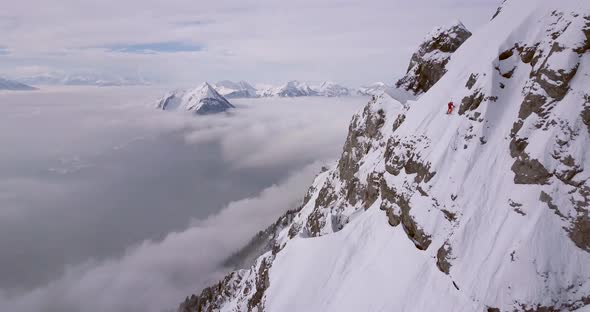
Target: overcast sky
[[188, 41]]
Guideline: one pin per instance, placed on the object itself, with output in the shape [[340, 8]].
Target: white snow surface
[[507, 248]]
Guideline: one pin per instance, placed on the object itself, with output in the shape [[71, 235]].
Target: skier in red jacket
[[451, 106]]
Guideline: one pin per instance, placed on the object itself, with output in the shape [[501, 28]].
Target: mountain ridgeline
[[11, 85], [485, 209]]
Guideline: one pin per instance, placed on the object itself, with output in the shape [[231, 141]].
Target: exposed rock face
[[445, 221], [428, 64]]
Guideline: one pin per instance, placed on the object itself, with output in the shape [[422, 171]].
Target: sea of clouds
[[107, 204]]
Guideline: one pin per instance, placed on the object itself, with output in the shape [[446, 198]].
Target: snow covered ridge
[[232, 90], [332, 89], [428, 64], [201, 100], [292, 88], [14, 85], [486, 209]]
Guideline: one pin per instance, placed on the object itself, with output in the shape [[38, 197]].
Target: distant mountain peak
[[201, 100], [293, 88], [332, 89], [12, 85]]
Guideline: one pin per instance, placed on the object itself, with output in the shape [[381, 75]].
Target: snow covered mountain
[[292, 88], [6, 84], [427, 65], [332, 89], [376, 88], [82, 79], [486, 209], [201, 100], [232, 90]]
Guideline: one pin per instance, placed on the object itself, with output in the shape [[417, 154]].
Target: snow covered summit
[[486, 209], [201, 100], [232, 90], [428, 64]]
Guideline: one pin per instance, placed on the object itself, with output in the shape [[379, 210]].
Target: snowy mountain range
[[202, 100], [6, 84], [292, 88], [82, 79], [485, 209]]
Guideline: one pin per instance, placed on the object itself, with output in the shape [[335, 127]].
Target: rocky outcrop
[[428, 64]]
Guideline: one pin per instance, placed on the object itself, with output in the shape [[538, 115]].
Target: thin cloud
[[356, 42], [156, 47]]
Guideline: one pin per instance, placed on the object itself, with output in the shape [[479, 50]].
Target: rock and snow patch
[[428, 64], [201, 100]]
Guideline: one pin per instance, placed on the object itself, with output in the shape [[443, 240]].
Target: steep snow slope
[[13, 85], [233, 90], [201, 100], [486, 209]]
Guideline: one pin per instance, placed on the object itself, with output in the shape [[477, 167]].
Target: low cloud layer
[[110, 205], [157, 275]]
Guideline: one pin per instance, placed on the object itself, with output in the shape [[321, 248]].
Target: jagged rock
[[529, 171], [428, 64], [443, 257], [471, 102], [471, 81]]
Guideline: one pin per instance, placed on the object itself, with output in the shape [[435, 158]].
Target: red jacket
[[451, 105]]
